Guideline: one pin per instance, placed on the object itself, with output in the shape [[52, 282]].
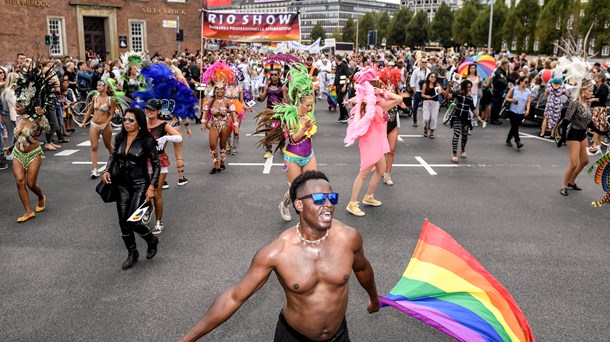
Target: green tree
[[398, 27], [440, 28], [317, 32], [337, 35], [553, 12], [480, 27], [597, 18], [349, 31], [417, 30], [366, 23], [524, 26], [463, 21], [383, 29]]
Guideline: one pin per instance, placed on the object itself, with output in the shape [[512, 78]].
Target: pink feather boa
[[358, 123]]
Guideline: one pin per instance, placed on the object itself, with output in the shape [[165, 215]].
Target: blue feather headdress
[[162, 85]]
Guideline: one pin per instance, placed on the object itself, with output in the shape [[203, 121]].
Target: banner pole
[[201, 32]]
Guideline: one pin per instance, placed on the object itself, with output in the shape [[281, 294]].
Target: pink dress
[[374, 143]]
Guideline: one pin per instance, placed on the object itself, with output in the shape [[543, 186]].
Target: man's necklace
[[311, 242]]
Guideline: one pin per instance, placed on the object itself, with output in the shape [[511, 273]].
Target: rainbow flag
[[138, 214], [446, 287]]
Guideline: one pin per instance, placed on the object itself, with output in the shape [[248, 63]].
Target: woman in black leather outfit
[[133, 147]]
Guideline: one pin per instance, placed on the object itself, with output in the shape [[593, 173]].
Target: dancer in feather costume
[[177, 105], [368, 125], [292, 126], [219, 115], [35, 95]]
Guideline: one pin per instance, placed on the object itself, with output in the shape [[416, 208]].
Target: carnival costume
[[176, 98], [370, 127], [282, 122], [132, 85], [35, 89], [219, 117]]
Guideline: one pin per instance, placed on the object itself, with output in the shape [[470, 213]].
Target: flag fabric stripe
[[446, 287], [451, 262], [433, 235], [427, 311], [461, 306]]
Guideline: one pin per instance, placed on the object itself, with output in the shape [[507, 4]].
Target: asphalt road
[[61, 277]]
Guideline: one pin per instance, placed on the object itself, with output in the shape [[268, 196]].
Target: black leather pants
[[130, 196]]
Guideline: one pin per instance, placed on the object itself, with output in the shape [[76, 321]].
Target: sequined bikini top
[[104, 107]]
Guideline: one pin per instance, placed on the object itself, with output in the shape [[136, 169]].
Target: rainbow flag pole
[[445, 287]]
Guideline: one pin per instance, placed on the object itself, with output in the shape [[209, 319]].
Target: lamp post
[[356, 35], [491, 19]]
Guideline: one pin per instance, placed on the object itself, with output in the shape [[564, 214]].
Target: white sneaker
[[158, 227], [94, 174], [8, 157], [146, 216], [387, 179], [285, 212]]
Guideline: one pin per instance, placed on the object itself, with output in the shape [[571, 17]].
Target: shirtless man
[[313, 262]]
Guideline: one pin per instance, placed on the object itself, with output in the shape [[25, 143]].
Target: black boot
[[132, 257], [152, 246]]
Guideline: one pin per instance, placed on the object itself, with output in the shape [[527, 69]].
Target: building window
[[582, 13], [513, 46], [558, 24], [570, 22], [536, 45], [555, 46], [605, 50], [607, 24], [56, 30], [579, 44], [137, 35]]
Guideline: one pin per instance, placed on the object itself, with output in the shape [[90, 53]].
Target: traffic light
[[47, 40], [180, 35]]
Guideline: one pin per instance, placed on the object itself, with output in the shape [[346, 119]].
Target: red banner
[[251, 27], [216, 3]]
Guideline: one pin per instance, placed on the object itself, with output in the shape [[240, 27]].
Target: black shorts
[[576, 135], [392, 125], [285, 333]]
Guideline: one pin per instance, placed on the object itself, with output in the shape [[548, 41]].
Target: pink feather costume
[[369, 128]]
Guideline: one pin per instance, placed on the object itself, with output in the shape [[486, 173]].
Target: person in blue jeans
[[417, 78], [520, 99]]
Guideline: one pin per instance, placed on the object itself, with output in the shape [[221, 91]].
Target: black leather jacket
[[132, 167]]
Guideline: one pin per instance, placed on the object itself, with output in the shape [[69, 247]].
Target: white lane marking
[[426, 165], [85, 143], [531, 136], [268, 164], [65, 153], [411, 136], [99, 169]]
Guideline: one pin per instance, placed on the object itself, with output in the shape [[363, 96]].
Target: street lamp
[[356, 35], [491, 19]]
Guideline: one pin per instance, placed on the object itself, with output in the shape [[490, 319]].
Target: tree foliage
[[463, 21], [366, 23], [442, 24], [317, 32], [524, 26], [480, 27], [398, 27], [383, 27], [417, 30], [349, 31], [552, 13], [596, 18]]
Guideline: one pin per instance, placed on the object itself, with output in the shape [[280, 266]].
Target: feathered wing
[[36, 88], [575, 70], [358, 123], [271, 127], [602, 177], [161, 84]]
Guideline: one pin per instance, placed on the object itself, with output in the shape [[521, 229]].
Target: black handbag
[[107, 192], [504, 112]]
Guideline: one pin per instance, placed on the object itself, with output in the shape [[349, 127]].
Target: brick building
[[108, 27]]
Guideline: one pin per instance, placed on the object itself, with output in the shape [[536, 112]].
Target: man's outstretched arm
[[232, 299], [364, 273]]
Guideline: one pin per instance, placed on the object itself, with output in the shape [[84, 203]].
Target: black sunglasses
[[131, 120], [274, 74], [320, 198]]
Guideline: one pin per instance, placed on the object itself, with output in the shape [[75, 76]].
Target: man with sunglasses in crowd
[[313, 262]]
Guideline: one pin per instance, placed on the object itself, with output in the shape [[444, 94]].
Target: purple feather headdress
[[283, 58]]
